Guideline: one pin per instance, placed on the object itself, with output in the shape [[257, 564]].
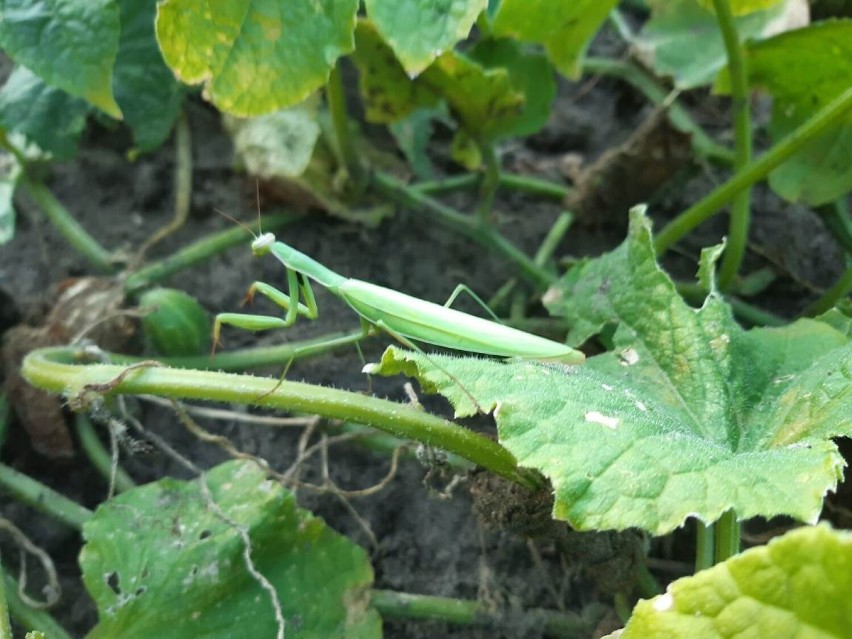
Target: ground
[[426, 544]]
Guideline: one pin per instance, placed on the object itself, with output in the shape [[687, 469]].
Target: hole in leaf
[[140, 591], [204, 534], [112, 581]]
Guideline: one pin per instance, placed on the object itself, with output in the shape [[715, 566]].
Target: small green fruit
[[177, 325]]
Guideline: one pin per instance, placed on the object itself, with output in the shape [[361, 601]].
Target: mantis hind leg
[[463, 288]]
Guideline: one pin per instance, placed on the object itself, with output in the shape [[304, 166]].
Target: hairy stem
[[53, 369], [336, 98], [727, 536]]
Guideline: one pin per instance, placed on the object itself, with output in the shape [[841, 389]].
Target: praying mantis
[[402, 316]]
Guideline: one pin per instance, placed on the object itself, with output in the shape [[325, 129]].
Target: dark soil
[[426, 544]]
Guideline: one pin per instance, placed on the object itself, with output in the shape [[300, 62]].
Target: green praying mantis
[[402, 316]]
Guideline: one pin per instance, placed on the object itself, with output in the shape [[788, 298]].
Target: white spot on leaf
[[628, 357], [663, 603], [603, 420]]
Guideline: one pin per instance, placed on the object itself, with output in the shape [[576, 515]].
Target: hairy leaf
[[690, 415]]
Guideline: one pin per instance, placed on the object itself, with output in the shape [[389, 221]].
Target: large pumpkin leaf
[[167, 560], [690, 415], [796, 586], [255, 56]]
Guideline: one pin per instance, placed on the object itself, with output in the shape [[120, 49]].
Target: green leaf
[[529, 73], [484, 101], [804, 70], [798, 585], [690, 415], [70, 44], [682, 39], [419, 31], [175, 324], [563, 27], [144, 86], [163, 561], [412, 135], [43, 114], [389, 94], [255, 56]]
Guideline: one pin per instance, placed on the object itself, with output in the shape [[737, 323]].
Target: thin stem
[[99, 456], [198, 252], [29, 617], [554, 236], [400, 605], [256, 357], [70, 229], [183, 186], [508, 181], [42, 498], [727, 531], [534, 186], [704, 546], [821, 121], [336, 99], [827, 300], [466, 225], [740, 213], [490, 184], [702, 144], [53, 369]]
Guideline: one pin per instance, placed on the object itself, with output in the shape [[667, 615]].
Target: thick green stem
[[70, 229], [827, 300], [98, 455], [824, 119], [42, 498], [336, 98], [30, 617], [198, 252], [53, 369], [702, 144], [740, 206], [704, 546], [464, 224], [399, 605], [727, 533]]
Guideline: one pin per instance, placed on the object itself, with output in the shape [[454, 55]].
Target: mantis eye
[[262, 243]]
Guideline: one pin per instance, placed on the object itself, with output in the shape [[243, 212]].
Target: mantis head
[[262, 243]]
